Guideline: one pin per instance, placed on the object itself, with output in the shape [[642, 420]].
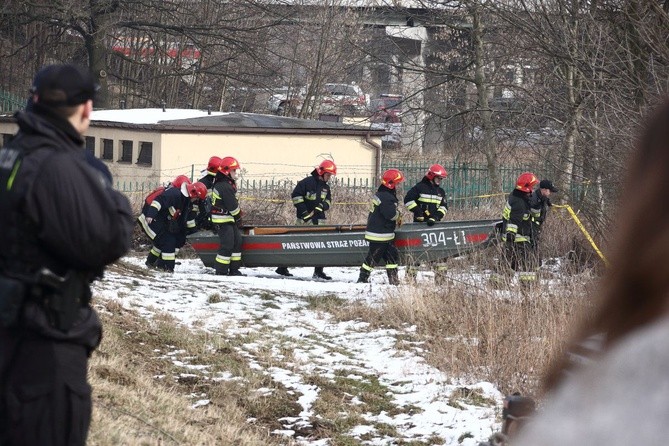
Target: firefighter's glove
[[148, 220], [510, 237], [308, 216], [430, 221]]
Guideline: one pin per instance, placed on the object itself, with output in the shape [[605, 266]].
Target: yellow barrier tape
[[583, 230]]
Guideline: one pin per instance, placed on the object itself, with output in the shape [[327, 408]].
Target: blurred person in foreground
[[312, 198], [611, 386], [384, 216], [62, 223]]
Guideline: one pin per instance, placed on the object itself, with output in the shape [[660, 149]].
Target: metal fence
[[10, 103], [466, 186]]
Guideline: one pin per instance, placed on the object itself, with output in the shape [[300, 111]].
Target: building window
[[90, 145], [126, 152], [145, 153], [107, 149]]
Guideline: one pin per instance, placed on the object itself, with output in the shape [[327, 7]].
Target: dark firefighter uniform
[[427, 201], [380, 233], [311, 198], [172, 215], [225, 215], [61, 224], [203, 207], [517, 233]]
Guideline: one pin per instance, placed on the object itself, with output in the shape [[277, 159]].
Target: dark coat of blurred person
[[62, 223]]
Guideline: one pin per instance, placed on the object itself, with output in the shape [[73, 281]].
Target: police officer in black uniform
[[61, 224]]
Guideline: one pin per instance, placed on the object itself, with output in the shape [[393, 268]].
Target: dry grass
[[142, 398], [477, 328]]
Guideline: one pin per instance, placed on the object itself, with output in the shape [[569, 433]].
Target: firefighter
[[204, 206], [312, 198], [517, 228], [62, 223], [166, 219], [226, 218], [384, 216], [427, 202], [212, 170]]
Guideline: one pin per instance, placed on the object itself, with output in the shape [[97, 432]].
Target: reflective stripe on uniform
[[430, 199], [222, 218], [224, 260], [142, 221], [377, 237]]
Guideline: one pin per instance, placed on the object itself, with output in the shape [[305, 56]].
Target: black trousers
[[520, 256], [382, 251], [45, 398]]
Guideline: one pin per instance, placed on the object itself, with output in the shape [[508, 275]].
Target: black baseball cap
[[547, 184], [63, 85]]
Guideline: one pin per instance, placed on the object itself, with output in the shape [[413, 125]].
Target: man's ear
[[88, 109]]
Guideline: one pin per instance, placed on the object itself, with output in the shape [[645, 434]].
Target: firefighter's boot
[[410, 273], [282, 270], [152, 258], [222, 269], [234, 268], [364, 276], [319, 274], [393, 279]]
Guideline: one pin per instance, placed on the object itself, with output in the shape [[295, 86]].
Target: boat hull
[[342, 245]]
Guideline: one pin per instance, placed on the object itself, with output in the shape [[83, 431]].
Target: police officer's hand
[[430, 221]]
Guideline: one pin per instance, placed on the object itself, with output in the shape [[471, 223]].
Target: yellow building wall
[[267, 157], [262, 156]]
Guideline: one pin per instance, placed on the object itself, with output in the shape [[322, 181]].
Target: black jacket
[[383, 216], [426, 200], [61, 212], [309, 193], [171, 211], [224, 204], [517, 218]]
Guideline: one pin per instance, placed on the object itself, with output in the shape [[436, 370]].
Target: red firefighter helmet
[[526, 182], [197, 190], [435, 170], [227, 165], [391, 178], [212, 165], [181, 179], [327, 166]]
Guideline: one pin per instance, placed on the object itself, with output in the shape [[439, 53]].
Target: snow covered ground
[[316, 341]]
